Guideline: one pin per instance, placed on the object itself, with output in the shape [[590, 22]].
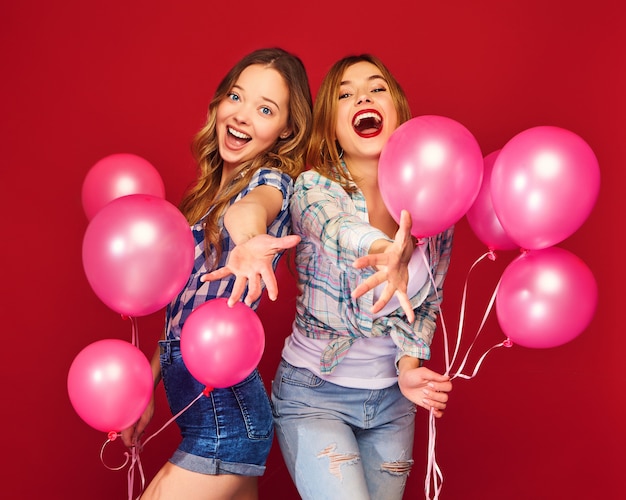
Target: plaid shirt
[[196, 292], [334, 228]]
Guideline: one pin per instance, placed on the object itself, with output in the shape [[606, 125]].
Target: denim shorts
[[228, 431]]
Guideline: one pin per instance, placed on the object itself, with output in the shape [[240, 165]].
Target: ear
[[286, 133]]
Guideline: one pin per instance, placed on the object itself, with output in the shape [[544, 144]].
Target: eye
[[379, 89], [232, 96], [344, 95], [266, 111]]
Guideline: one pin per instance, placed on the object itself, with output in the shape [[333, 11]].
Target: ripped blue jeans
[[341, 442]]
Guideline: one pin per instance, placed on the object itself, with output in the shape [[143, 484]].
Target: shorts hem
[[214, 466]]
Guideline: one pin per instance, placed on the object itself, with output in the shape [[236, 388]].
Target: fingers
[[216, 275], [238, 289], [271, 285], [287, 242], [406, 307], [254, 289], [370, 283]]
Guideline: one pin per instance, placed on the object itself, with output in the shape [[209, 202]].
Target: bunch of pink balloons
[[537, 191], [431, 166], [137, 254], [110, 384], [138, 249], [222, 345]]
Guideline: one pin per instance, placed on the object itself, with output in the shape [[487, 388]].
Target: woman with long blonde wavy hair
[[249, 152]]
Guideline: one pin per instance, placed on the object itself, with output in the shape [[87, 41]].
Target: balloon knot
[[524, 251], [112, 435], [124, 317], [207, 390], [507, 343], [492, 255]]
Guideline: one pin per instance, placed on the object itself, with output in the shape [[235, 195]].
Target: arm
[[251, 260]]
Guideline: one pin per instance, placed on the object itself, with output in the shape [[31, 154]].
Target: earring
[[341, 154]]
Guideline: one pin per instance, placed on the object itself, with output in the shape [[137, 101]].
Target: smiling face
[[366, 112], [253, 115]]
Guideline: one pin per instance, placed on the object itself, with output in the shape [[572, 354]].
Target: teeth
[[238, 134], [358, 119]]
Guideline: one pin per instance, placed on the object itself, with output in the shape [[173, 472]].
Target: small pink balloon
[[431, 166], [110, 384], [481, 216], [119, 175], [546, 298], [138, 253], [544, 185], [222, 345]]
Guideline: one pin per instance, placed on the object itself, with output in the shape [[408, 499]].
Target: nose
[[243, 114], [363, 98]]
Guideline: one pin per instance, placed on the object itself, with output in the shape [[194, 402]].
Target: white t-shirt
[[370, 361]]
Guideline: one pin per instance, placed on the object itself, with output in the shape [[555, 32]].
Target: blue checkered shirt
[[196, 292]]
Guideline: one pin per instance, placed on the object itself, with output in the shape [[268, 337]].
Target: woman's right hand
[[132, 435], [392, 267]]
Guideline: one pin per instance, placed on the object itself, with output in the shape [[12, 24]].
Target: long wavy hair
[[322, 154], [286, 155]]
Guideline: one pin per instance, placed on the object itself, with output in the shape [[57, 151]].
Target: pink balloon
[[222, 345], [110, 384], [431, 166], [138, 252], [544, 184], [546, 298], [482, 217], [119, 175]]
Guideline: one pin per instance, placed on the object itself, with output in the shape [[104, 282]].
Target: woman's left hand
[[251, 262], [425, 388]]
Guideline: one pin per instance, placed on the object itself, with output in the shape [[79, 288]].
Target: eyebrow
[[369, 79], [262, 97]]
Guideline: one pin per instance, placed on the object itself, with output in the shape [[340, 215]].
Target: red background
[[82, 80]]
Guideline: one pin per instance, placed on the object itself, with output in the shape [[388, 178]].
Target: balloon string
[[434, 474], [134, 330], [491, 255], [134, 456]]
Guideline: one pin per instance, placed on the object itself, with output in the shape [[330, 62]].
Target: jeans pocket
[[255, 407]]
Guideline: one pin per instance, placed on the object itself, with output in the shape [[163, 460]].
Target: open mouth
[[367, 123], [237, 137]]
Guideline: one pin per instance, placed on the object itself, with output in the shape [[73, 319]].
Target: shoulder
[[272, 177]]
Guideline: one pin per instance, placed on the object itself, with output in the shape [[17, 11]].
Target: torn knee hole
[[336, 460], [397, 467]]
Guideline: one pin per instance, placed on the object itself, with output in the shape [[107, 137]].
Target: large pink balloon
[[481, 216], [119, 175], [431, 166], [544, 184], [546, 298], [110, 384], [222, 345], [138, 253]]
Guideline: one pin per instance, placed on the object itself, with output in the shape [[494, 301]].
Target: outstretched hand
[[251, 262], [425, 388], [392, 267]]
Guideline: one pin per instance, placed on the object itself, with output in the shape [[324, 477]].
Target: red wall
[[82, 80]]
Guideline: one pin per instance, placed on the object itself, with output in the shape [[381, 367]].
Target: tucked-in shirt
[[197, 292], [334, 228]]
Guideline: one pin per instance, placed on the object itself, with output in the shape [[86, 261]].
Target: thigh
[[387, 452], [316, 439]]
